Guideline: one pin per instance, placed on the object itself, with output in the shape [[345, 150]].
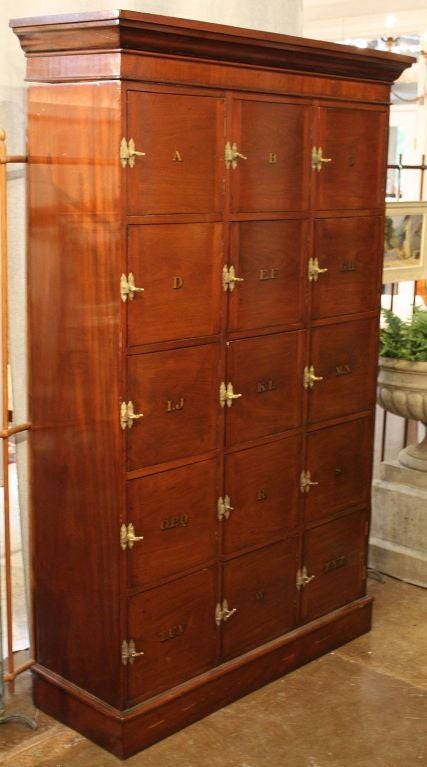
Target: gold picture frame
[[405, 242]]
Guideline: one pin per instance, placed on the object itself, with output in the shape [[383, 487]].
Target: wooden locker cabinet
[[205, 237]]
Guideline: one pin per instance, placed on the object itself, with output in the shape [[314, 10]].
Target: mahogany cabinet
[[205, 238]]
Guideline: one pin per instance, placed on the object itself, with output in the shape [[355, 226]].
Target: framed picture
[[405, 241]]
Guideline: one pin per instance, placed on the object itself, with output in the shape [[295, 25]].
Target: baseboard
[[124, 733]]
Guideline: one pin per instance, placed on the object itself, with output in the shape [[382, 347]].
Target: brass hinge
[[128, 153], [224, 507], [128, 287], [129, 653], [231, 155], [305, 482], [128, 537], [303, 578], [229, 278], [310, 378], [314, 270], [227, 395], [222, 613], [317, 159], [128, 415]]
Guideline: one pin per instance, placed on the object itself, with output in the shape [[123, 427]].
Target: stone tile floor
[[363, 705]]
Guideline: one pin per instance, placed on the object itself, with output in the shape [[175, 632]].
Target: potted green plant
[[402, 379]]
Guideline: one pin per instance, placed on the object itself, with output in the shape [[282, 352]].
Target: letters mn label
[[261, 495]]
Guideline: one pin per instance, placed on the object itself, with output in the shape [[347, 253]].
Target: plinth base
[[398, 542]]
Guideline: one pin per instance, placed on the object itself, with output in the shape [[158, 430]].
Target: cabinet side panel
[[75, 342]]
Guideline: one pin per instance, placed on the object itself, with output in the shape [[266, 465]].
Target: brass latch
[[224, 507], [305, 482], [128, 287], [129, 653], [128, 153], [303, 578], [314, 270], [231, 155], [229, 278], [128, 415], [222, 613], [317, 159], [310, 378], [227, 395], [128, 537]]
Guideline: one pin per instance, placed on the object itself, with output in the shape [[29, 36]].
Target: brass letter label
[[177, 156], [180, 520], [348, 266], [334, 564], [259, 595], [343, 370], [261, 495], [177, 283], [268, 274], [263, 386], [172, 406], [172, 632], [272, 158]]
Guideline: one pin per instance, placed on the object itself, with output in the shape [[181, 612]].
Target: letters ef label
[[268, 274]]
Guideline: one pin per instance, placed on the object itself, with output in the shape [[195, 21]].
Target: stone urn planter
[[402, 390]]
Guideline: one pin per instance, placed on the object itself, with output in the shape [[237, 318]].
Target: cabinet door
[[262, 484], [339, 461], [351, 250], [177, 391], [275, 139], [261, 587], [335, 554], [175, 511], [271, 257], [183, 140], [179, 266], [354, 140], [266, 371], [345, 356], [174, 626]]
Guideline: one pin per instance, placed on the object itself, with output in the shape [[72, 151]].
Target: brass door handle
[[128, 415], [229, 278], [317, 159], [314, 269], [128, 287], [310, 378], [226, 613], [303, 578], [232, 155], [227, 395], [305, 482], [128, 152]]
